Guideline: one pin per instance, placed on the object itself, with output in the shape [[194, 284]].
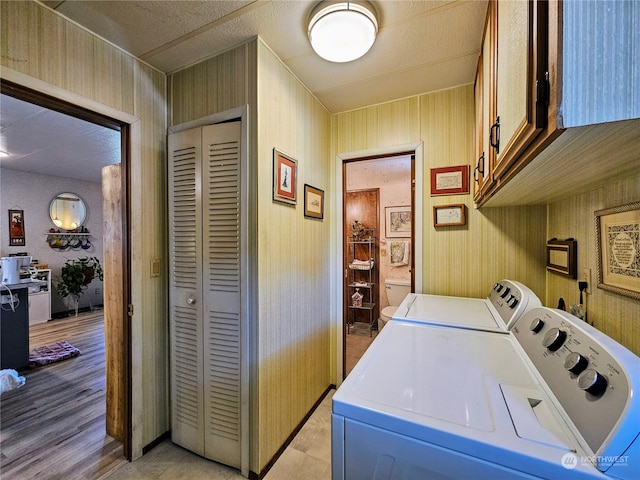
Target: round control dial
[[536, 325], [505, 293], [592, 382], [554, 339], [575, 363]]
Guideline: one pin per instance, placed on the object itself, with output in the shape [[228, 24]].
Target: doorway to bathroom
[[378, 192]]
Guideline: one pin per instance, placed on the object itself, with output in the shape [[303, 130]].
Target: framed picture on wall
[[398, 221], [618, 248], [449, 215], [562, 257], [16, 228], [285, 175], [313, 202], [450, 180]]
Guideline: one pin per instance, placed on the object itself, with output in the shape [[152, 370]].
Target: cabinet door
[[520, 83], [39, 308], [484, 109]]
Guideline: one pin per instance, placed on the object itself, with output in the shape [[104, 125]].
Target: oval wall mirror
[[67, 211]]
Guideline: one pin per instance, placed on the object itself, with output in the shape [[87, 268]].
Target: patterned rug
[[52, 353]]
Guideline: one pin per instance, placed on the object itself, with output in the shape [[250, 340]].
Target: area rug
[[52, 353]]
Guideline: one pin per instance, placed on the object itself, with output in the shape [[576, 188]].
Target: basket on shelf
[[361, 265]]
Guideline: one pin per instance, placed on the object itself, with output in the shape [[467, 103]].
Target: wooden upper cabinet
[[520, 81], [484, 111], [563, 86], [511, 86]]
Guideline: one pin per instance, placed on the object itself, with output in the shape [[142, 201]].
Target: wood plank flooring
[[54, 426]]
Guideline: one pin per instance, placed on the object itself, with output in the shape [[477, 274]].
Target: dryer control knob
[[497, 287], [592, 382], [575, 363], [505, 293], [512, 302], [536, 325], [554, 339]]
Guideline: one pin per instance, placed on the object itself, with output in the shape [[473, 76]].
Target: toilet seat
[[388, 312]]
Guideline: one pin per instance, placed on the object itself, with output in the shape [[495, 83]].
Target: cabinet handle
[[494, 135], [479, 168], [191, 301]]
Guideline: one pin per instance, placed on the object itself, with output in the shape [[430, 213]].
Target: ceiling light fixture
[[342, 31]]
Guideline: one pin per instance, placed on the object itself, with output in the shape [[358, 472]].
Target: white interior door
[[205, 184], [222, 291], [185, 292]]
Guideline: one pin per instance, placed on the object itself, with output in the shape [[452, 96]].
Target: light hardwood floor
[[54, 426]]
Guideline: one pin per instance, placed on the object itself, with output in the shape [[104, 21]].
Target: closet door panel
[[222, 291], [185, 297]]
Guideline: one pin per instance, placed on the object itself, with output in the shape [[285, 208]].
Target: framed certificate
[[449, 215], [450, 180], [618, 248]]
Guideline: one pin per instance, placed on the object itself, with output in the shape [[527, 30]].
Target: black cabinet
[[14, 328]]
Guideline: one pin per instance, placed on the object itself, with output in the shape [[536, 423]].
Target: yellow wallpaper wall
[[41, 49], [616, 315], [293, 257], [495, 243]]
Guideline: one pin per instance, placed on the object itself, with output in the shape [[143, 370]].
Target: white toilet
[[396, 289]]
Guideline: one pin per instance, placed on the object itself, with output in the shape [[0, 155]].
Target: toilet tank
[[397, 289]]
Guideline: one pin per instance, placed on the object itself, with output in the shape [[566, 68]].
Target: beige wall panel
[[495, 243], [215, 85], [615, 315], [39, 43], [150, 189], [293, 262], [393, 123]]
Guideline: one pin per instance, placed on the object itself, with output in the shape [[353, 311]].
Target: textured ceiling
[[422, 46]]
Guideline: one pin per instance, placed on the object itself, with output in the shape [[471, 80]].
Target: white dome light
[[342, 32]]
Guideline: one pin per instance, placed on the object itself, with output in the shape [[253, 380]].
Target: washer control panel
[[591, 375], [511, 299]]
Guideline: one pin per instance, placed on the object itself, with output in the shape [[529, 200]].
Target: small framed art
[[562, 257], [16, 228], [449, 215], [313, 202], [398, 221], [450, 180], [618, 249], [285, 175]]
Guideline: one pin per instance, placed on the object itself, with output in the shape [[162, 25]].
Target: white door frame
[[338, 234]]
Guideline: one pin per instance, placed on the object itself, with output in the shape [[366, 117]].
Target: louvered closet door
[[221, 190], [185, 292], [205, 215]]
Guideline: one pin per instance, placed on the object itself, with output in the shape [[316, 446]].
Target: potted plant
[[76, 275]]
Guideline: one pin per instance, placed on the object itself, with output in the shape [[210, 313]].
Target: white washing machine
[[506, 302], [554, 398]]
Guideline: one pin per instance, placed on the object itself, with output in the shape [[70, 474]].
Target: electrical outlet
[[585, 276]]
